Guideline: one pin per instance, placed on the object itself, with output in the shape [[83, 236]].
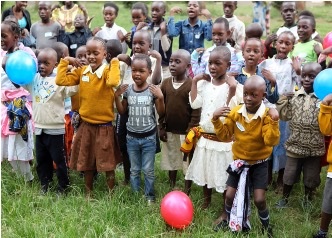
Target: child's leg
[[88, 180], [311, 175], [293, 165], [110, 179], [135, 157], [22, 167], [260, 203], [172, 177], [207, 197], [230, 194]]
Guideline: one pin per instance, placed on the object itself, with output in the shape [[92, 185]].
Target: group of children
[[220, 106]]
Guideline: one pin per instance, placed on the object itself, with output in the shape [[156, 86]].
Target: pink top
[[22, 47]]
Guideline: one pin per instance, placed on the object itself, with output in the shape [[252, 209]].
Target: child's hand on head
[[199, 77], [128, 36], [206, 13], [221, 112], [120, 90], [296, 63], [175, 10], [269, 76], [141, 25], [200, 50], [270, 38], [273, 113], [155, 54], [156, 91], [95, 30], [163, 28], [327, 100], [73, 61], [124, 58]]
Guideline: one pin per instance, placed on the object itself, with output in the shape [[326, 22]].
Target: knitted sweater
[[179, 116], [325, 125], [96, 96], [254, 139], [302, 110]]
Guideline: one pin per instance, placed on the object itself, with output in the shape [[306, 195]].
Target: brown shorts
[[95, 148]]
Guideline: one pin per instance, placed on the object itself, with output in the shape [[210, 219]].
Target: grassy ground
[[26, 213]]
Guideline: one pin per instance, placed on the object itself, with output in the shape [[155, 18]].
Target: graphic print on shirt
[[140, 111], [43, 90]]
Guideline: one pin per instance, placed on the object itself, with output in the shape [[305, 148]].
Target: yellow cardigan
[[325, 126], [96, 95], [255, 141]]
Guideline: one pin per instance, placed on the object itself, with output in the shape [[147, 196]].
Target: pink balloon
[[327, 41], [177, 209]]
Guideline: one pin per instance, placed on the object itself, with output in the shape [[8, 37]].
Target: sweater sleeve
[[67, 79], [325, 119], [113, 77], [225, 131], [270, 131], [284, 108]]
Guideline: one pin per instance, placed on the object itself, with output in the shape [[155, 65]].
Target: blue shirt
[[191, 37]]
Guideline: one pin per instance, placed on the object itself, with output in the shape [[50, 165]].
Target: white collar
[[231, 18], [259, 113], [106, 27], [98, 72]]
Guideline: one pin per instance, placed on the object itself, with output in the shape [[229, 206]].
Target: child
[[254, 30], [237, 27], [46, 31], [49, 113], [110, 30], [220, 33], [139, 99], [93, 147], [17, 147], [192, 31], [305, 145], [179, 117], [280, 70], [211, 156], [315, 36], [78, 37], [307, 49], [255, 131], [325, 125]]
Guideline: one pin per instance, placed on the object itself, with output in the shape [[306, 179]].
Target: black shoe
[[221, 226], [44, 189], [319, 235], [268, 231]]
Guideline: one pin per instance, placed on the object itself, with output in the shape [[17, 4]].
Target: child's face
[[284, 45], [252, 52], [109, 16], [21, 4], [140, 72], [193, 9], [140, 43], [219, 34], [252, 96], [81, 55], [304, 29], [177, 64], [79, 21], [137, 16], [157, 12], [229, 8], [8, 38], [288, 13], [95, 53], [44, 11], [308, 75], [217, 65], [46, 63]]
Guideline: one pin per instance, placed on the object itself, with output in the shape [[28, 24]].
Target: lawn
[[27, 213]]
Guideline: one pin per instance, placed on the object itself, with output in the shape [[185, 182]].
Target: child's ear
[[228, 33], [150, 72], [56, 64], [150, 45], [264, 95], [229, 64]]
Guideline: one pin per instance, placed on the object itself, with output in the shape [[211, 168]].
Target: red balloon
[[327, 41], [177, 209]]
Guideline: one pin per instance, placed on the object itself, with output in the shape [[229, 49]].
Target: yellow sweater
[[252, 141], [96, 95], [325, 126]]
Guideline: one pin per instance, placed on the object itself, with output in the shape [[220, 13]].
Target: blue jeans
[[141, 153]]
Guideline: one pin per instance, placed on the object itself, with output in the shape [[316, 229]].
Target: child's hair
[[145, 10], [288, 33], [254, 30], [224, 52], [113, 5], [146, 33], [282, 3], [101, 40], [256, 39], [51, 53], [77, 50], [143, 57], [15, 28], [60, 49], [235, 3], [310, 18], [222, 20], [113, 48], [306, 13]]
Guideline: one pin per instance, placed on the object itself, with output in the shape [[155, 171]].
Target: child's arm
[[318, 48], [121, 106], [197, 65], [113, 77], [70, 91], [325, 115], [323, 55], [208, 25], [232, 83], [165, 41], [193, 92], [270, 129], [284, 107], [224, 131], [63, 37], [159, 101], [156, 75], [68, 79], [174, 29]]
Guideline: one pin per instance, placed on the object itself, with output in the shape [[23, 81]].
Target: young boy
[[220, 34], [192, 31], [305, 145], [49, 113], [255, 130], [237, 27], [45, 31], [75, 39], [179, 116], [325, 125]]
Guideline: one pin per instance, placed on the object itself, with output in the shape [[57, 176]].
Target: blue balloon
[[323, 84], [20, 67]]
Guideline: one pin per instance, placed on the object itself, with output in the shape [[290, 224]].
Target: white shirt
[[109, 33]]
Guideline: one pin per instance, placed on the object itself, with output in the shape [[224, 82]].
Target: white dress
[[211, 158]]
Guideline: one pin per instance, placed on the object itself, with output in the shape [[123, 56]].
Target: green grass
[[26, 213]]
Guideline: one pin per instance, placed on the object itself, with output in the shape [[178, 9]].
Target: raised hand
[[156, 91], [269, 76], [141, 25], [327, 100], [175, 10], [74, 62], [120, 90], [206, 13], [199, 77], [163, 28], [221, 112]]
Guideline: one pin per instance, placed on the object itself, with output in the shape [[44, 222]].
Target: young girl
[[211, 156], [17, 147], [139, 99], [93, 147]]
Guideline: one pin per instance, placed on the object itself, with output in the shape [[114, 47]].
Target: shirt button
[[208, 114]]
